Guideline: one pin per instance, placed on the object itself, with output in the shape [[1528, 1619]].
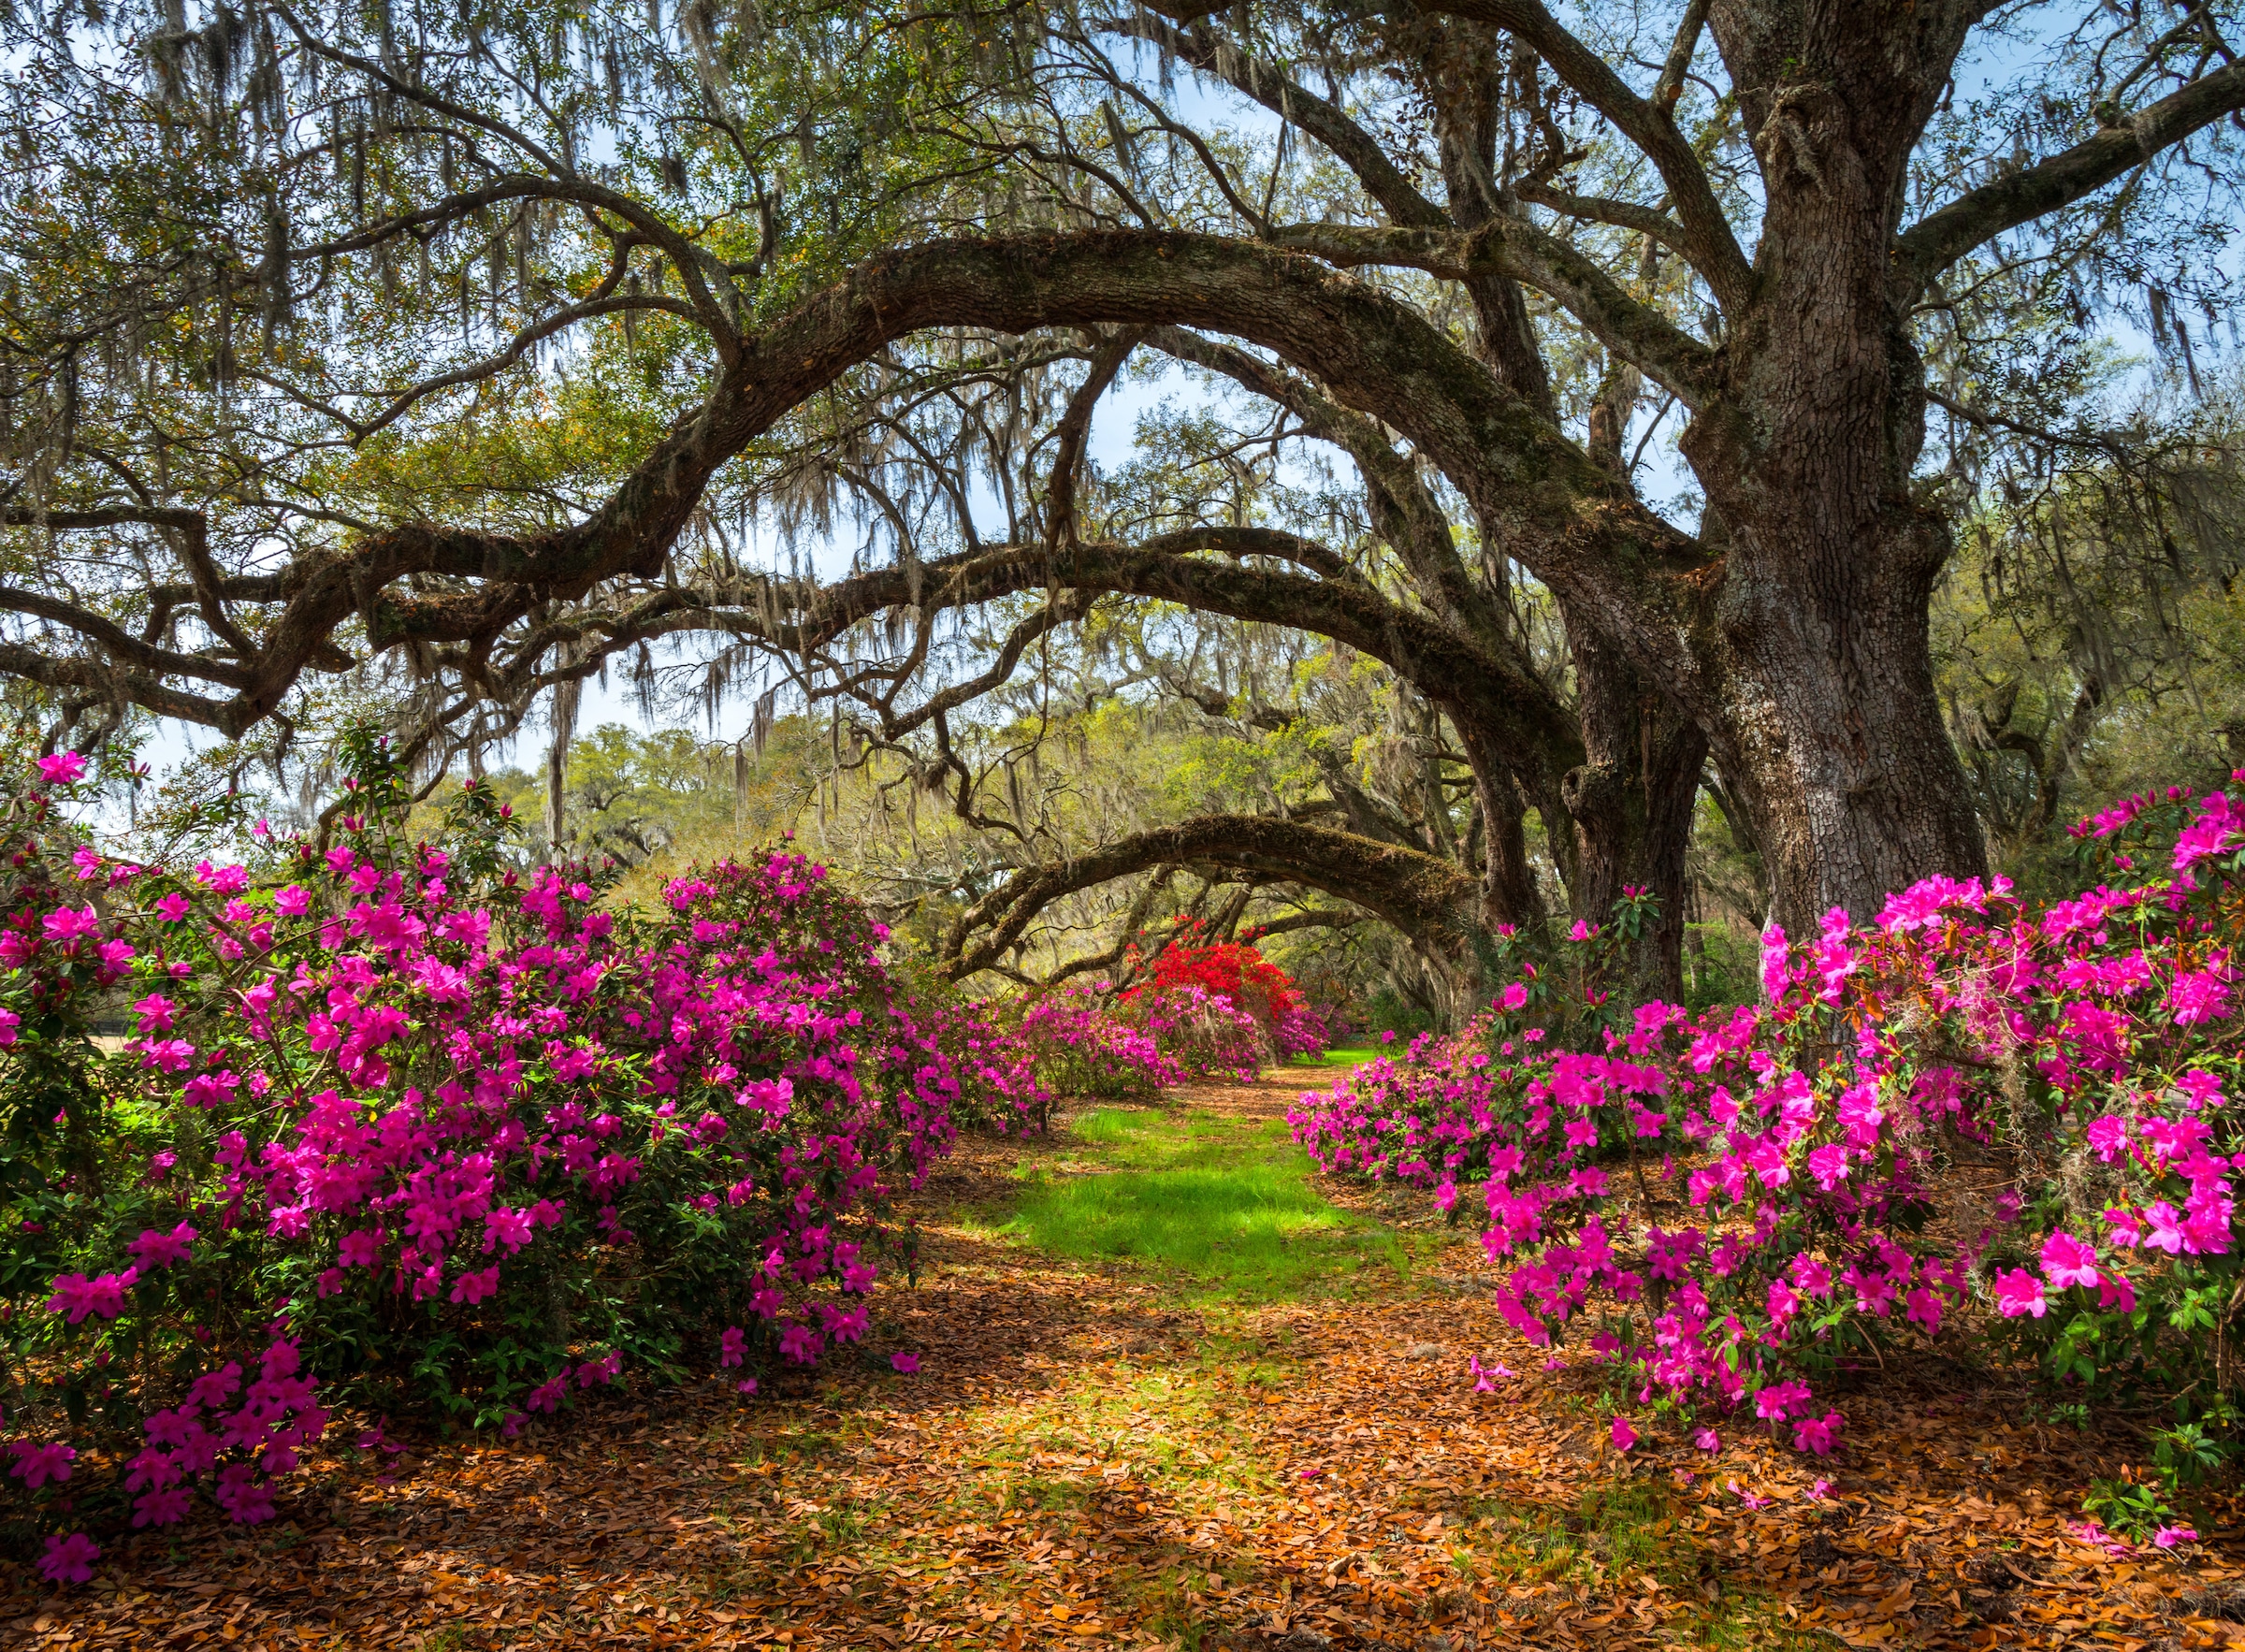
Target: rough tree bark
[[1806, 448]]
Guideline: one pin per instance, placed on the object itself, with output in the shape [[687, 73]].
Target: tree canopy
[[1624, 386]]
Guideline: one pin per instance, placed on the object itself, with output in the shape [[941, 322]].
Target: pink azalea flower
[[2066, 1261], [2019, 1293], [1707, 1440], [2198, 996], [1816, 1434], [76, 1295], [163, 1506], [2167, 1537], [65, 925], [69, 1559], [905, 1363], [1623, 1436], [163, 1250], [61, 769], [36, 1465]]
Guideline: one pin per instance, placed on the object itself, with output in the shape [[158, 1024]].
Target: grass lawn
[[1354, 1056], [1222, 1206]]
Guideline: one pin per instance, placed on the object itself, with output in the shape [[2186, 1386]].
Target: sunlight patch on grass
[[1340, 1058], [1225, 1205]]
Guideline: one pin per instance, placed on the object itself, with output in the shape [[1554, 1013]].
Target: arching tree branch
[[1431, 901]]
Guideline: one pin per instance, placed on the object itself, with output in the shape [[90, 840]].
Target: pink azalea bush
[[1082, 1043], [1732, 1205], [1015, 1057], [1204, 1033], [397, 1123], [997, 1069], [1300, 1030]]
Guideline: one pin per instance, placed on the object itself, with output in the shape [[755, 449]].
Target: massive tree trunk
[[1830, 726], [1630, 803]]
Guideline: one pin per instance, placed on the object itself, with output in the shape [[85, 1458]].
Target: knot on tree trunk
[[1806, 121], [1592, 791]]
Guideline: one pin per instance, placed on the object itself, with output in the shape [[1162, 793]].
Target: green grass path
[[1222, 1207]]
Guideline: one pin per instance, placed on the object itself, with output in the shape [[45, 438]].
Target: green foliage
[[2127, 1509], [2196, 1451]]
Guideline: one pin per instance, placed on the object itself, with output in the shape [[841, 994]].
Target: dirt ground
[[1088, 1457]]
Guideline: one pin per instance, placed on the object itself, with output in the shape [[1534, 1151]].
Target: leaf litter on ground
[[1174, 1392]]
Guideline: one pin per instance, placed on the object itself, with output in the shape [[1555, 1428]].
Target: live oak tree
[[468, 338]]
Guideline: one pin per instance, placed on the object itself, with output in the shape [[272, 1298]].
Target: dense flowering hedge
[[2030, 1107], [394, 1122], [1205, 1011], [1205, 1033], [1016, 1057]]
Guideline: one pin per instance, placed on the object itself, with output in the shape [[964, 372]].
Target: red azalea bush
[[397, 1124], [1741, 1202], [1248, 982]]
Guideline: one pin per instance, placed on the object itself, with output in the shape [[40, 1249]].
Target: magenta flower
[[76, 1295], [213, 1388], [61, 769], [1623, 1436], [245, 1495], [733, 1346], [2165, 1224], [1829, 1165], [1707, 1440], [2066, 1261], [163, 1250], [1816, 1434], [2198, 996], [1774, 1400], [64, 925], [69, 1559], [163, 1506], [2019, 1293], [906, 1363], [2167, 1537], [36, 1465], [800, 1343]]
